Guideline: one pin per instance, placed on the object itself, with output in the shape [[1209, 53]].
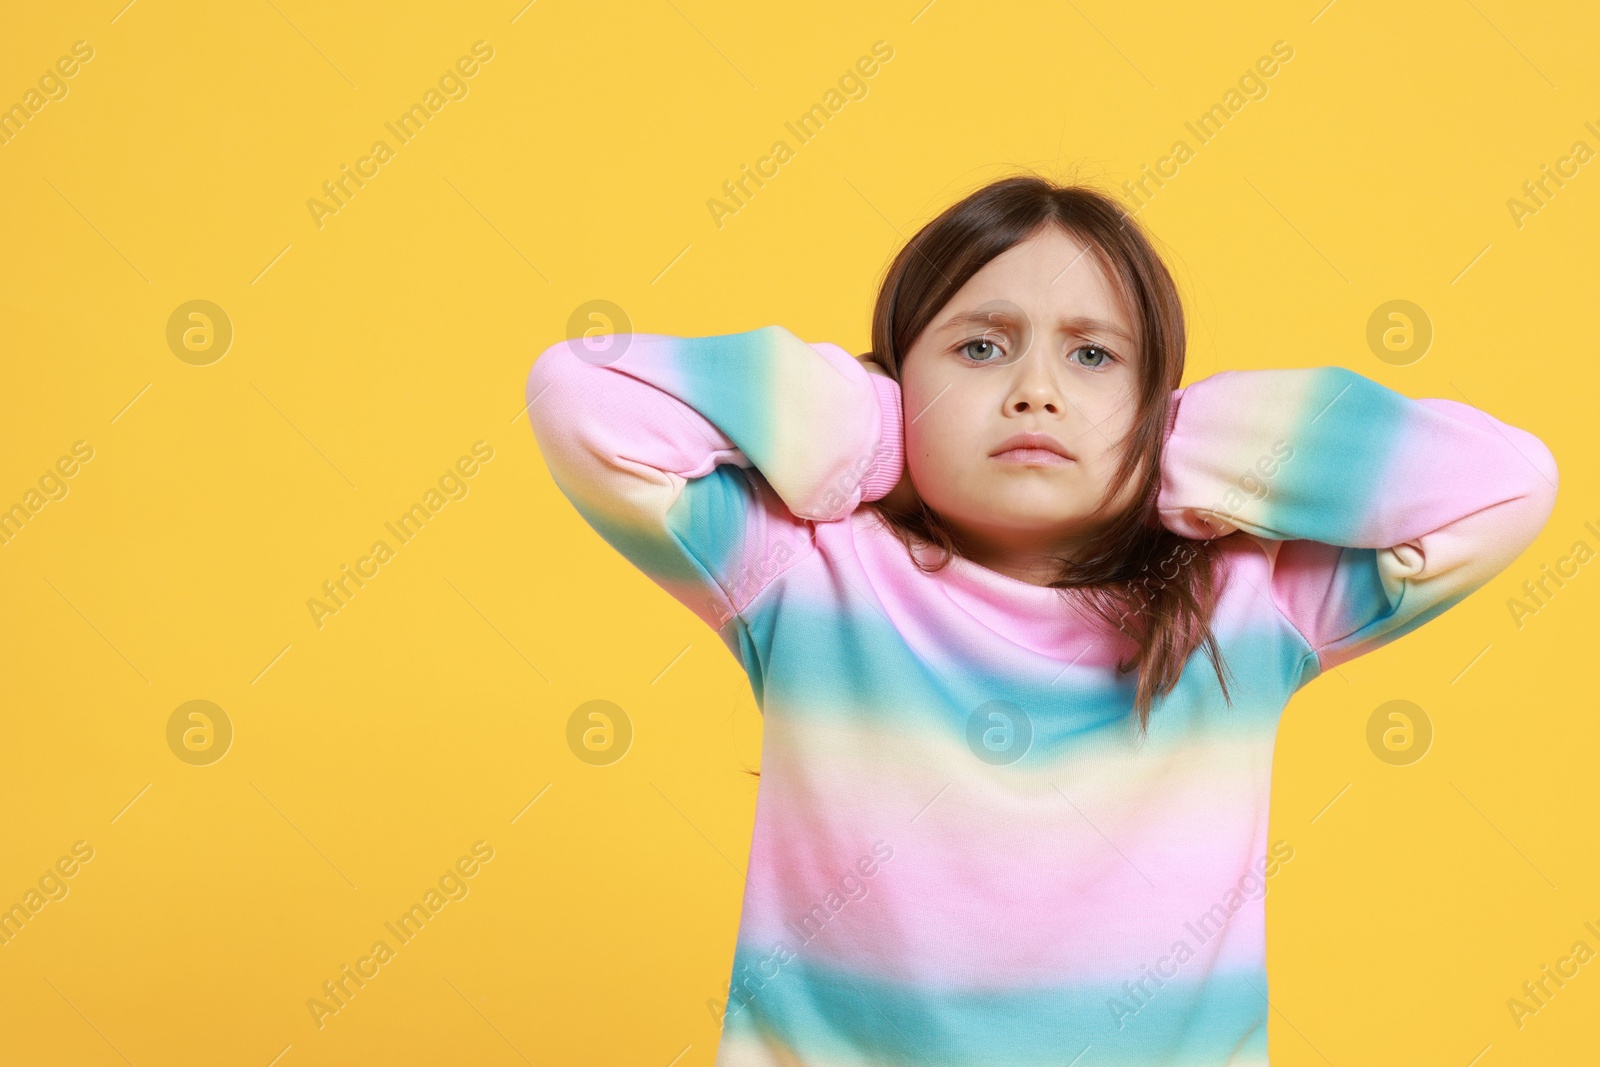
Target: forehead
[[1053, 277]]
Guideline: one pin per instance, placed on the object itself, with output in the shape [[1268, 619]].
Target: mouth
[[1037, 456], [1032, 449]]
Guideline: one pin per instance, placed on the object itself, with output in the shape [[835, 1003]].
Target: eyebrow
[[1078, 323]]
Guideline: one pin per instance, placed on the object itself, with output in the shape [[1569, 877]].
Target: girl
[[1021, 615]]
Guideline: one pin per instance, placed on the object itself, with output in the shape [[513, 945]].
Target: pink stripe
[[991, 887]]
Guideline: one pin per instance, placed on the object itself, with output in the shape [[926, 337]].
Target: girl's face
[[1036, 342]]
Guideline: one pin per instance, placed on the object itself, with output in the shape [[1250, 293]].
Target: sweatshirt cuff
[[888, 464], [1172, 414]]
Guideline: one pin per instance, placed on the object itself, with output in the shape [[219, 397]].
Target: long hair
[[1155, 587]]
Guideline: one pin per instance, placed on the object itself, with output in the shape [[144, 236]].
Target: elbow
[[573, 366], [1546, 479], [1541, 478], [563, 375], [552, 366], [591, 419], [572, 415], [562, 401]]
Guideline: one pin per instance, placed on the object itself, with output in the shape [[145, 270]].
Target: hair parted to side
[[1156, 587]]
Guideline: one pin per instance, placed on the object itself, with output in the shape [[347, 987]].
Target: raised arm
[[1377, 511], [703, 460]]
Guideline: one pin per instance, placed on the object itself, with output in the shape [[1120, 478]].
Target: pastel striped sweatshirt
[[963, 854]]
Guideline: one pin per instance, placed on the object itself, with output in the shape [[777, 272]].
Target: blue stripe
[[1347, 430], [729, 380], [1367, 618], [824, 651], [711, 516], [824, 1012]]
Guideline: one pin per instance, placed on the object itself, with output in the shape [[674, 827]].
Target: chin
[[1044, 517], [1035, 507]]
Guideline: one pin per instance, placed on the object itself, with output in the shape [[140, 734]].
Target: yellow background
[[369, 353]]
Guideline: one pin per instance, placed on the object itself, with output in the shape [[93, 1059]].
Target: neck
[[1036, 560]]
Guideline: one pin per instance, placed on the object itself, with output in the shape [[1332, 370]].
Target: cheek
[[943, 443], [1104, 420], [931, 455]]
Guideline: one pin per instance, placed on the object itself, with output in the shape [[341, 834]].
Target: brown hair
[[1157, 588]]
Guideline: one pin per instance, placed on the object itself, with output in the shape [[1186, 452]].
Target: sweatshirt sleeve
[[1377, 511], [706, 460]]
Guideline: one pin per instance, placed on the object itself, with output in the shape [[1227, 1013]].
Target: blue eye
[[1104, 359], [962, 348]]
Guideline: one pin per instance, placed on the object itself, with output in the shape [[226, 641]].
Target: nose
[[1034, 390]]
